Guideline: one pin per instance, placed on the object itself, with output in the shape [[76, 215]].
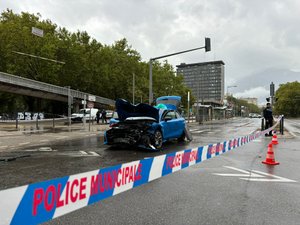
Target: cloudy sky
[[258, 40]]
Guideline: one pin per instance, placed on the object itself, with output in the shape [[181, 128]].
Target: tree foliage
[[288, 99], [248, 106], [90, 66]]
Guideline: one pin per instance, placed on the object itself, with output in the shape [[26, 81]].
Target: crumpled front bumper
[[136, 138]]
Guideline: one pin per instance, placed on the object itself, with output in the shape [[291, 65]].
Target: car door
[[168, 124], [179, 124]]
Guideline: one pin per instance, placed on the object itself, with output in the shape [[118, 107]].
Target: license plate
[[120, 140]]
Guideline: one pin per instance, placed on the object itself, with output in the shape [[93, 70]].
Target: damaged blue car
[[146, 126]]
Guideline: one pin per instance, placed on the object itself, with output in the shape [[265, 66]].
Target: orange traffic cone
[[270, 159], [274, 139]]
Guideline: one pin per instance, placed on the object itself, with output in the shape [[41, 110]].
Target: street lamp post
[[230, 87], [133, 87], [207, 48], [69, 104]]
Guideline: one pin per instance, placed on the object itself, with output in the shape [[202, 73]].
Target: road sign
[[90, 104], [37, 32], [92, 98]]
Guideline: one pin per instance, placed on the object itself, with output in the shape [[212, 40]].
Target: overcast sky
[[249, 36]]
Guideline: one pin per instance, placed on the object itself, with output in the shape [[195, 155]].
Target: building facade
[[206, 80]]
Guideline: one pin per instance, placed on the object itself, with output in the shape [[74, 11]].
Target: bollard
[[281, 125], [37, 122], [262, 124]]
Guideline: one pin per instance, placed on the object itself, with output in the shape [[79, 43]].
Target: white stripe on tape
[[204, 153], [178, 158], [193, 156], [83, 188], [157, 167], [128, 173], [11, 198]]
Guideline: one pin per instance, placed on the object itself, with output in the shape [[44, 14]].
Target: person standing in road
[[104, 116], [268, 115], [98, 116]]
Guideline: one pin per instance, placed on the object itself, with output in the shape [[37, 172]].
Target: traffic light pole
[[207, 48]]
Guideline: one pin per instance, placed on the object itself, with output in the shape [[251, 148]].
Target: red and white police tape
[[43, 201]]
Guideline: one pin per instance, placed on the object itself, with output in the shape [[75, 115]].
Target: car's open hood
[[126, 109]]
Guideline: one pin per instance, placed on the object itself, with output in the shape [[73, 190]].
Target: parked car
[[146, 126], [254, 115], [109, 114], [114, 119], [87, 113]]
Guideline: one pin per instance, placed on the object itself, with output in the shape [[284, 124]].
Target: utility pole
[[188, 106], [133, 87], [272, 92], [69, 105]]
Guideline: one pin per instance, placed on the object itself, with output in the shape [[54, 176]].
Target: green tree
[[288, 102], [90, 66], [238, 103]]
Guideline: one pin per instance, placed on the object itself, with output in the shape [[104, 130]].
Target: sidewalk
[[28, 134]]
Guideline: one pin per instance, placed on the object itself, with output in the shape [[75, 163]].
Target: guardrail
[[50, 88]]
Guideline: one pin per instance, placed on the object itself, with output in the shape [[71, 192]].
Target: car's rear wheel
[[158, 139]]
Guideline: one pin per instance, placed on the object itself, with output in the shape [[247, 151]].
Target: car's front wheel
[[182, 137], [158, 139]]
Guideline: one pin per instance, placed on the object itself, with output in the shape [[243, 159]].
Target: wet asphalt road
[[192, 196], [84, 154]]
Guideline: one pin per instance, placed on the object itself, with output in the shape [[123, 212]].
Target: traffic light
[[268, 99], [207, 44]]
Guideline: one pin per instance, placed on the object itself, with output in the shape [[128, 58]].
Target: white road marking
[[5, 146], [62, 137], [293, 134], [24, 143], [199, 131], [44, 140], [277, 178], [192, 130], [83, 152], [254, 175], [94, 153], [89, 153], [243, 173]]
